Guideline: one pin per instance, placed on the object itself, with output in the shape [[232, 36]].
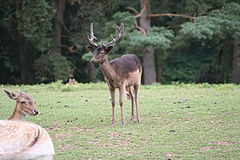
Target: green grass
[[179, 121]]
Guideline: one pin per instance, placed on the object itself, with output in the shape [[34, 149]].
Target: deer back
[[126, 64], [23, 141]]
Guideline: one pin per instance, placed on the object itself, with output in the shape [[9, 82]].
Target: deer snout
[[93, 60], [36, 112]]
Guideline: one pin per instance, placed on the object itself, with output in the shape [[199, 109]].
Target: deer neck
[[107, 69], [17, 116]]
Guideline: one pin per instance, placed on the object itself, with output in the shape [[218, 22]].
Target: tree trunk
[[91, 72], [149, 65], [58, 27], [148, 53], [236, 61]]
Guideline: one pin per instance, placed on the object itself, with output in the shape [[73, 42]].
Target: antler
[[91, 37], [120, 34]]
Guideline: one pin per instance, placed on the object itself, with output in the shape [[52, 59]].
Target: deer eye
[[23, 102]]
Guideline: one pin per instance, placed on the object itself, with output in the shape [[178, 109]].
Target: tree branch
[[141, 12], [133, 9], [71, 49], [171, 15], [139, 28]]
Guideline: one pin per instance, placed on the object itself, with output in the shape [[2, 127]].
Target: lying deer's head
[[25, 105], [100, 52]]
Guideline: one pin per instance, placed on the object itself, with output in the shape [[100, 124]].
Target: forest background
[[190, 41]]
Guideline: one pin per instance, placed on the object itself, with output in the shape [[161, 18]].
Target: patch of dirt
[[189, 119], [54, 127], [208, 148], [65, 147], [62, 135], [223, 143], [116, 143], [79, 129], [216, 121], [117, 135], [169, 155], [115, 139], [58, 127]]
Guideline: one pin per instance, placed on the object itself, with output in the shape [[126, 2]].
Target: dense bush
[[51, 68]]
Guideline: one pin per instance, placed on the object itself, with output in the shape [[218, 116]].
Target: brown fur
[[126, 64]]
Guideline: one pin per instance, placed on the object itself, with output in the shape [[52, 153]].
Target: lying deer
[[21, 140], [123, 73], [25, 105]]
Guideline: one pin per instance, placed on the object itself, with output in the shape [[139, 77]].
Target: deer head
[[25, 105], [100, 52]]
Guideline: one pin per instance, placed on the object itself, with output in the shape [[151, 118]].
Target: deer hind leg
[[121, 94], [112, 93], [136, 86], [132, 96]]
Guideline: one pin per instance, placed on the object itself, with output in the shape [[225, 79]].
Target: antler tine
[[91, 37], [119, 35], [102, 43], [121, 27]]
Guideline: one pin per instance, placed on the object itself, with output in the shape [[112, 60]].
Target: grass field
[[179, 121]]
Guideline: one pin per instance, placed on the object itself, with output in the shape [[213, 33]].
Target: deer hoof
[[138, 121], [123, 123], [133, 118], [113, 123]]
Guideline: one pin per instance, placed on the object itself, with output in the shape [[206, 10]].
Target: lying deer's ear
[[21, 92], [90, 48], [10, 94], [108, 49]]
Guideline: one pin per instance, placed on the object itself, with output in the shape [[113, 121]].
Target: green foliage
[[218, 25], [202, 7], [134, 41], [35, 23], [158, 37], [50, 68], [120, 17], [209, 73], [87, 56], [27, 28], [184, 66], [110, 31], [221, 25]]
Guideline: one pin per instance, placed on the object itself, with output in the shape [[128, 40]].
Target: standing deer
[[21, 140], [123, 73]]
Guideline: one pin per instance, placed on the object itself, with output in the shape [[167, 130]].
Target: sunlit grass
[[179, 121]]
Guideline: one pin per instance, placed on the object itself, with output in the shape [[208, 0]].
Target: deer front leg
[[121, 92], [112, 93]]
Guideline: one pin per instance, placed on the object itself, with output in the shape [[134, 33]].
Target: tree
[[218, 28], [27, 26], [59, 22], [149, 70], [236, 61]]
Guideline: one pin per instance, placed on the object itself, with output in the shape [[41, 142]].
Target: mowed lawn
[[179, 121]]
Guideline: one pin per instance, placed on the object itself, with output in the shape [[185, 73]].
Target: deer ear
[[10, 94], [108, 49], [90, 48]]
